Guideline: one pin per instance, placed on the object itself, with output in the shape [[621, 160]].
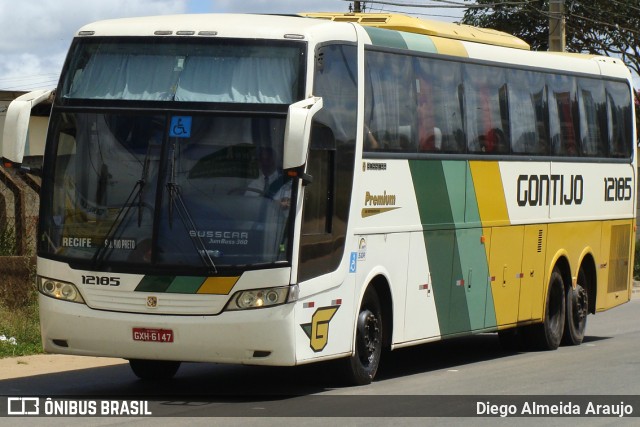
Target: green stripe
[[186, 285], [419, 42], [450, 217], [154, 284], [476, 261], [170, 284], [386, 38], [436, 214]]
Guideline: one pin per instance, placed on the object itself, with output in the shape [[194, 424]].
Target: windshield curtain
[[158, 69], [204, 191]]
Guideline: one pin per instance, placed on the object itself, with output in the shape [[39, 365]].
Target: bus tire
[[363, 365], [154, 369], [577, 302], [548, 334]]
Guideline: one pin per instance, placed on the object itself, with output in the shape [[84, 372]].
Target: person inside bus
[[429, 135], [270, 182]]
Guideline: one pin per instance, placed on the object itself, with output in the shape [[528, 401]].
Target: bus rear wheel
[[548, 335], [577, 301], [363, 365], [154, 369]]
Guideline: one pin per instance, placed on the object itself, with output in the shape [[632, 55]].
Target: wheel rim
[[579, 305], [370, 337]]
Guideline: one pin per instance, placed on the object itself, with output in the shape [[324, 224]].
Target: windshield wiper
[[98, 257], [175, 198], [143, 181], [136, 191]]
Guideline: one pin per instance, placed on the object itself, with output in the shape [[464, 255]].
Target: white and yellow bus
[[280, 190]]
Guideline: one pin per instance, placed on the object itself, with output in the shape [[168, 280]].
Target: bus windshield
[[167, 152], [189, 70], [170, 190]]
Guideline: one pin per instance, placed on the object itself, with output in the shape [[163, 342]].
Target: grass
[[21, 323], [7, 241]]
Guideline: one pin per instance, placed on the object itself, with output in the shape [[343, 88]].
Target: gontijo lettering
[[543, 190]]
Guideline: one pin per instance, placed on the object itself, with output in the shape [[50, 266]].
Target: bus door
[[505, 272], [532, 284]]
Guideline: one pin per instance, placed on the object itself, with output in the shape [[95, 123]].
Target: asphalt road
[[466, 371]]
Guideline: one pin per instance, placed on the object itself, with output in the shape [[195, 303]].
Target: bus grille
[[619, 258]]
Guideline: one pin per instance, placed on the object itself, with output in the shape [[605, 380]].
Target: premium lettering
[[383, 199]]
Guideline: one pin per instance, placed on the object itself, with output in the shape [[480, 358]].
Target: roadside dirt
[[40, 364]]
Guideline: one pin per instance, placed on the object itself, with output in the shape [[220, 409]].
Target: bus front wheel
[[154, 369], [363, 365]]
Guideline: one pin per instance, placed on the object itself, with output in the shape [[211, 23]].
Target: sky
[[37, 33]]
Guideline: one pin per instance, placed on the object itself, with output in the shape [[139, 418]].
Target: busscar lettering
[[545, 190], [219, 234]]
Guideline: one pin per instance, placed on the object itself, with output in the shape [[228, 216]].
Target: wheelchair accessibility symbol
[[180, 127], [352, 262]]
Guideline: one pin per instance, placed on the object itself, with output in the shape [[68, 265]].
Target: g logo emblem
[[318, 329], [152, 302]]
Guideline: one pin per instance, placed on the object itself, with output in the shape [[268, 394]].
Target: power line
[[41, 84], [450, 4]]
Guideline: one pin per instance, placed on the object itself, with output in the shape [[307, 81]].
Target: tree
[[610, 27]]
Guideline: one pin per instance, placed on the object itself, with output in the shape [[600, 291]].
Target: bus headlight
[[258, 298], [59, 290]]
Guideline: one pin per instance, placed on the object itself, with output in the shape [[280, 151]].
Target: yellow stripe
[[449, 47], [489, 189], [218, 285]]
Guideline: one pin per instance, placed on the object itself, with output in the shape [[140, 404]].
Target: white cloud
[[279, 6], [36, 34]]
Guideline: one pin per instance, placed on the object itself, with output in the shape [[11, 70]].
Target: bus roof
[[220, 25], [427, 27]]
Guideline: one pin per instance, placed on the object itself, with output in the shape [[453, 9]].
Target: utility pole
[[557, 35], [359, 6]]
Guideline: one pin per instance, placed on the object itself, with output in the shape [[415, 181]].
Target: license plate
[[152, 335]]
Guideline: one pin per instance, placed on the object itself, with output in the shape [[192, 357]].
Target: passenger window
[[562, 115], [390, 116], [593, 120], [486, 107], [619, 114], [527, 113], [439, 94]]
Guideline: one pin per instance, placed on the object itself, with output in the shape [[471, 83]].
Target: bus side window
[[562, 100], [318, 195], [593, 122], [390, 103], [619, 114], [439, 92], [486, 109], [527, 112]]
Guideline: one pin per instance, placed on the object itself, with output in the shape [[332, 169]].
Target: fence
[[19, 205]]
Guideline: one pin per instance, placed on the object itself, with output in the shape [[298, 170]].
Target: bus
[[281, 190]]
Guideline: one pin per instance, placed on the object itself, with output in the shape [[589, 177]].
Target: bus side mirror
[[297, 131], [16, 125]]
